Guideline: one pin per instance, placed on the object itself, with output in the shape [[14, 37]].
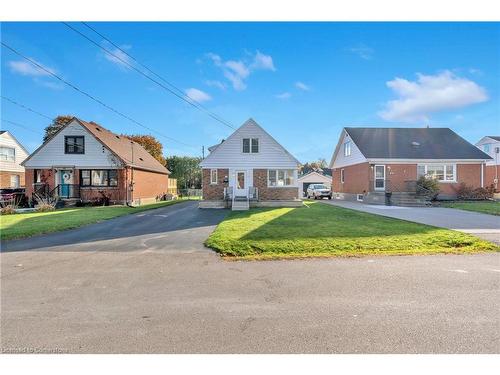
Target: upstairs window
[[486, 148], [74, 144], [7, 154], [250, 145], [347, 148]]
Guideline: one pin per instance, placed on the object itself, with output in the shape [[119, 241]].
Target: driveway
[[480, 225], [146, 284]]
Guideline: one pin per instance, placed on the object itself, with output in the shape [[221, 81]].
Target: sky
[[303, 82]]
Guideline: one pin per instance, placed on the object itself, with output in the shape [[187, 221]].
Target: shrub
[[428, 187], [44, 203], [7, 210], [45, 207], [465, 191]]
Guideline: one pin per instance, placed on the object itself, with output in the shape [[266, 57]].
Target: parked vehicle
[[318, 191]]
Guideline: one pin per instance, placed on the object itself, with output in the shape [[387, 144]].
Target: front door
[[379, 177], [240, 184], [65, 182]]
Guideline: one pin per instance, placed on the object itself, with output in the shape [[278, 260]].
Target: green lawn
[[323, 230], [30, 224], [485, 207]]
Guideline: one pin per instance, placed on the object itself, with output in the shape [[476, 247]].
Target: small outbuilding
[[313, 177]]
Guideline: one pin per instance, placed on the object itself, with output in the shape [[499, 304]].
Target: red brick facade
[[147, 185], [272, 193], [359, 178], [5, 179], [216, 191], [492, 172]]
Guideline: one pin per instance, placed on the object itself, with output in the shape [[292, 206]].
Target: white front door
[[240, 183], [379, 180]]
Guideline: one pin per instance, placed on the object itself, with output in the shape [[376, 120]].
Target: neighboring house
[[369, 162], [250, 168], [12, 154], [313, 177], [491, 145], [85, 161]]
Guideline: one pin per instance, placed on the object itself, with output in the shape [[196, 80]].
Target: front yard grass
[[319, 230], [485, 207], [33, 223]]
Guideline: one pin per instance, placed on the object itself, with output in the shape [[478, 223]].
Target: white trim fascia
[[428, 161], [316, 173]]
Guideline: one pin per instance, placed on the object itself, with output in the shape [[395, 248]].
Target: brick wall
[[46, 176], [148, 184], [470, 174], [398, 175], [490, 172], [272, 193], [214, 191], [356, 179], [5, 179]]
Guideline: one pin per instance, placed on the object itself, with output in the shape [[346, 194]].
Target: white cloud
[[283, 96], [365, 52], [26, 68], [217, 84], [430, 93], [264, 62], [197, 95], [302, 86], [120, 58], [238, 71]]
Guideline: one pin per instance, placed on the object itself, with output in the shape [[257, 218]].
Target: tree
[[187, 171], [151, 144], [313, 166], [57, 124]]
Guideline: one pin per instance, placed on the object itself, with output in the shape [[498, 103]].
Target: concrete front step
[[240, 205]]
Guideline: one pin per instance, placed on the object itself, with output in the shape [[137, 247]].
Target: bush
[[45, 207], [428, 187], [7, 210], [465, 191]]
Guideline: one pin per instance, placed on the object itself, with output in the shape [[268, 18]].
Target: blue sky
[[301, 81]]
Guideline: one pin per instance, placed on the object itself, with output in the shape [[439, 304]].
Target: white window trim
[[284, 186], [212, 182], [7, 156], [454, 181], [347, 148], [250, 145], [342, 176]]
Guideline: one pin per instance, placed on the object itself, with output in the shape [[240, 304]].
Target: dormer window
[[250, 145], [74, 144], [347, 148]]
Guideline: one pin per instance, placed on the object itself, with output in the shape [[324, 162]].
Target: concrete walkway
[[483, 226]]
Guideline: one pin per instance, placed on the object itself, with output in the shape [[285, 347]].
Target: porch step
[[240, 205]]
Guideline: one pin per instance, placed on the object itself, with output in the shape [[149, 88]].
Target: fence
[[190, 193]]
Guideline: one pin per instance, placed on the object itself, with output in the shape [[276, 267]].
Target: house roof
[[2, 131], [120, 146], [413, 143], [320, 175], [495, 137], [130, 152]]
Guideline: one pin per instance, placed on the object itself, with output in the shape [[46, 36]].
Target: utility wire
[[171, 88], [90, 96], [21, 126], [25, 107]]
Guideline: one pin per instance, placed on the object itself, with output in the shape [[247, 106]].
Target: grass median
[[319, 230], [30, 224]]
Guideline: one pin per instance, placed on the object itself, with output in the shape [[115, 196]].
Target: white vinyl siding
[[489, 145], [229, 154], [355, 156], [440, 172], [52, 154], [6, 163]]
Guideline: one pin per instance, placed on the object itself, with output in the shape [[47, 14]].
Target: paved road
[[149, 286], [483, 226]]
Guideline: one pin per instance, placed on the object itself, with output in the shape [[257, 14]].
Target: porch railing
[[66, 191]]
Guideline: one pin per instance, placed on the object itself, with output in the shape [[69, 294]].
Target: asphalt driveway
[[146, 284], [481, 225]]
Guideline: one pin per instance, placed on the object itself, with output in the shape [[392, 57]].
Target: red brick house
[[249, 169], [491, 145], [369, 162], [85, 161]]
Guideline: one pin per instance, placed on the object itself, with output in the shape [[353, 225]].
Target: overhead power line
[[74, 87], [171, 88], [25, 107], [21, 126]]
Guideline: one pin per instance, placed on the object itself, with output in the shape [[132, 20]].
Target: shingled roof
[[123, 147], [413, 143]]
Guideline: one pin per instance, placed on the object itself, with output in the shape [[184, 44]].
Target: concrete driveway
[[146, 284], [483, 226]]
